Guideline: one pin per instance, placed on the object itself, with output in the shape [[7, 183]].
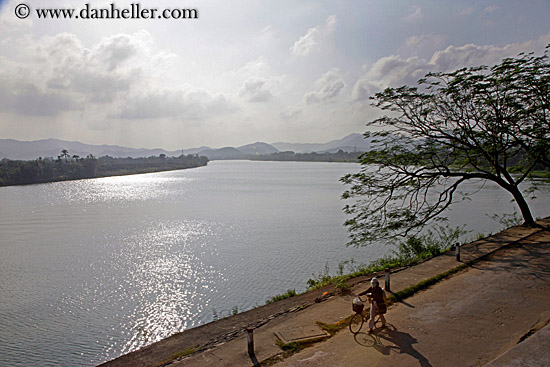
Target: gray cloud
[[422, 45], [394, 71], [117, 49], [291, 112], [189, 106], [256, 90], [329, 86], [57, 73], [26, 99], [159, 104], [100, 87]]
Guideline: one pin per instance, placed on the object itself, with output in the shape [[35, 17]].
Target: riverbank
[[223, 342], [65, 168]]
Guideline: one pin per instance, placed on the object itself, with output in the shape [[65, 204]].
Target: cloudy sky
[[244, 71]]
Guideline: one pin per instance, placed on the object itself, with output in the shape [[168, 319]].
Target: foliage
[[341, 286], [218, 315], [339, 156], [415, 249], [480, 123], [184, 353], [289, 293], [334, 328], [428, 245], [66, 167], [321, 279], [507, 220]]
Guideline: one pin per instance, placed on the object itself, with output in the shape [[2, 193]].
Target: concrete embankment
[[505, 273]]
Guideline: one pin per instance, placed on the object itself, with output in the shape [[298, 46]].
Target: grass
[[414, 250], [184, 353], [289, 293], [334, 328], [288, 350]]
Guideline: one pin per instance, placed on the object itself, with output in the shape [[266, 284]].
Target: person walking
[[378, 304]]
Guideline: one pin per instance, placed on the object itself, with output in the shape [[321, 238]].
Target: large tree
[[475, 123]]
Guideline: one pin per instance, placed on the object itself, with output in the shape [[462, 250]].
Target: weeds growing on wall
[[414, 249], [289, 293]]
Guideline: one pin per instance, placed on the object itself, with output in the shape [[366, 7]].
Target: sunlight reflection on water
[[122, 188], [168, 277]]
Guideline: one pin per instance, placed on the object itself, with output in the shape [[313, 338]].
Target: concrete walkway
[[469, 319], [301, 324], [533, 352]]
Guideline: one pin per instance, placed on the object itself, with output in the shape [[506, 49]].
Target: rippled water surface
[[93, 269]]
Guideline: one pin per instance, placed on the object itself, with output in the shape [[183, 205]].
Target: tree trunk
[[523, 207]]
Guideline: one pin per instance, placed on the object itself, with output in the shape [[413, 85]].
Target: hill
[[29, 150], [26, 150], [258, 149], [350, 143]]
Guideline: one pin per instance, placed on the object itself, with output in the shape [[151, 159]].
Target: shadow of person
[[402, 343]]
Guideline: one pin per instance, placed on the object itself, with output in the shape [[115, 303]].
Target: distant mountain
[[350, 143], [27, 150], [194, 150], [222, 153], [258, 149]]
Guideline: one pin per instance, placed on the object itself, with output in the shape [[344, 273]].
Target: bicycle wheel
[[356, 323]]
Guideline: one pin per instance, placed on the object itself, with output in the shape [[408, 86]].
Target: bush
[[289, 293], [431, 244]]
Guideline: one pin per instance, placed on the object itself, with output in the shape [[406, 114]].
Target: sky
[[242, 71]]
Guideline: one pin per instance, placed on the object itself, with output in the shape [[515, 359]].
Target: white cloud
[[390, 71], [313, 38], [474, 55], [329, 86], [257, 81], [394, 71], [306, 44], [415, 15]]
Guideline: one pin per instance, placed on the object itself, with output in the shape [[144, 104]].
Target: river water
[[93, 269]]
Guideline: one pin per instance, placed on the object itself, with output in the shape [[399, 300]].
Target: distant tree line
[[339, 156], [67, 167]]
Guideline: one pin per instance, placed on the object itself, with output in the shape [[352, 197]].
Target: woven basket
[[357, 308]]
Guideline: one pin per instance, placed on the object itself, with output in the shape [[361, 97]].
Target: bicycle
[[361, 315]]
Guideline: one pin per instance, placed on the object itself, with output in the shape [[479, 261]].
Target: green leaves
[[478, 122]]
